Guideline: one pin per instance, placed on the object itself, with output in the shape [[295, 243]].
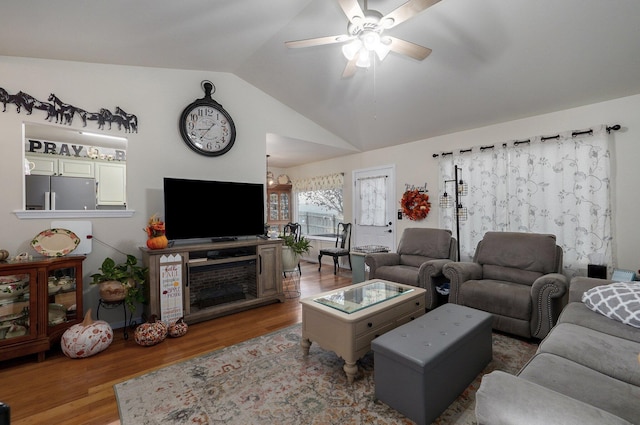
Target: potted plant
[[292, 250], [123, 281]]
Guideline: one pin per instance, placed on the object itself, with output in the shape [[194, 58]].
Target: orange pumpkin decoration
[[158, 242], [155, 233]]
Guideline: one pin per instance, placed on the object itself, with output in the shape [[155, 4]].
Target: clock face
[[207, 129]]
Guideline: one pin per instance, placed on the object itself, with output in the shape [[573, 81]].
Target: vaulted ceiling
[[492, 61]]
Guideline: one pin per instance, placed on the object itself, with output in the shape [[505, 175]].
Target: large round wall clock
[[206, 127]]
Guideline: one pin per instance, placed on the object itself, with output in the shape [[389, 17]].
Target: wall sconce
[[447, 201]]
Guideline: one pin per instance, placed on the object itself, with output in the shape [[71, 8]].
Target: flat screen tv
[[206, 209]]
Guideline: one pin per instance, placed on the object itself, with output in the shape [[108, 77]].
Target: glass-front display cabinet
[[279, 206], [39, 299], [17, 304], [62, 298]]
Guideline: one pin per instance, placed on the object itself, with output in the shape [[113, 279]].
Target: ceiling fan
[[366, 34]]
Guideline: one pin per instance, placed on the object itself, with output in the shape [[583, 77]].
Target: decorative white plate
[[57, 314], [55, 242], [5, 280], [9, 318], [283, 179], [13, 290], [54, 289], [15, 331]]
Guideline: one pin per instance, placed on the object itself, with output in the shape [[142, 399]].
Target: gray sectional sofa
[[586, 371]]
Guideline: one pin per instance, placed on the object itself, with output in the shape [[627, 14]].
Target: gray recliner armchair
[[421, 254], [516, 277]]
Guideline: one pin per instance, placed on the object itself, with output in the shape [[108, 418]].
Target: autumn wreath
[[415, 204]]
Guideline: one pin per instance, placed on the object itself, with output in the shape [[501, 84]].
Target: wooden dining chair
[[341, 249]]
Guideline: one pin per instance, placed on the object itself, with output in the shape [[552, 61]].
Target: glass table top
[[350, 300]]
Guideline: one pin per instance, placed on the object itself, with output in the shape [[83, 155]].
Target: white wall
[[157, 97], [415, 163]]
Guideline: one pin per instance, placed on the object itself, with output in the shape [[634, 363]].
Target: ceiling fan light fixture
[[350, 50], [364, 61], [383, 48], [370, 40], [365, 29]]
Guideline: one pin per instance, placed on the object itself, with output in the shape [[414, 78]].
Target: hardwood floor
[[60, 390]]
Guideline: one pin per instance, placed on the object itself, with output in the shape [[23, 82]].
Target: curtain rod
[[372, 177], [615, 127]]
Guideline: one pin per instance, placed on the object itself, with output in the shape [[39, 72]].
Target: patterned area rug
[[267, 380]]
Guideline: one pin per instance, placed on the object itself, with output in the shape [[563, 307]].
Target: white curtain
[[558, 185], [373, 201]]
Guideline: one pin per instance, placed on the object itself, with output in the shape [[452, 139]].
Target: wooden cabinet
[[39, 300], [75, 168], [269, 270], [203, 281], [279, 205], [43, 165], [111, 183], [49, 165]]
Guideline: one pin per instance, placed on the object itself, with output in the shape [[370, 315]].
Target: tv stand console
[[224, 239], [207, 280]]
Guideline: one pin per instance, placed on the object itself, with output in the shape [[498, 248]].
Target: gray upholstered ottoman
[[422, 366]]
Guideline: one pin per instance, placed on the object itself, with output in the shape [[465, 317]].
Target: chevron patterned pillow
[[619, 301]]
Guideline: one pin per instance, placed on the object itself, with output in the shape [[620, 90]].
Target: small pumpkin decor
[[415, 204], [178, 328], [87, 338], [156, 238], [151, 333]]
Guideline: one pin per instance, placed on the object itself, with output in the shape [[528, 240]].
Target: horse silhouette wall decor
[[64, 113]]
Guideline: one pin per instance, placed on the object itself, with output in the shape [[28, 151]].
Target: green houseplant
[[293, 249], [122, 281]]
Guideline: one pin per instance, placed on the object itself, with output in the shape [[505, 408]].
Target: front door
[[374, 207]]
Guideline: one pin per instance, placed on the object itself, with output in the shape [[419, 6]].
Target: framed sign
[[171, 308]]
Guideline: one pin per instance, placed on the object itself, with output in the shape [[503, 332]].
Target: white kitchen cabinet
[[111, 183], [53, 166]]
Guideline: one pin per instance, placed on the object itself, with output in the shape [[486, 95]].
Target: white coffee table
[[346, 320]]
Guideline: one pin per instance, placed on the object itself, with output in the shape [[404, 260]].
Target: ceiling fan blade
[[352, 9], [408, 48], [351, 68], [406, 11], [318, 41]]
